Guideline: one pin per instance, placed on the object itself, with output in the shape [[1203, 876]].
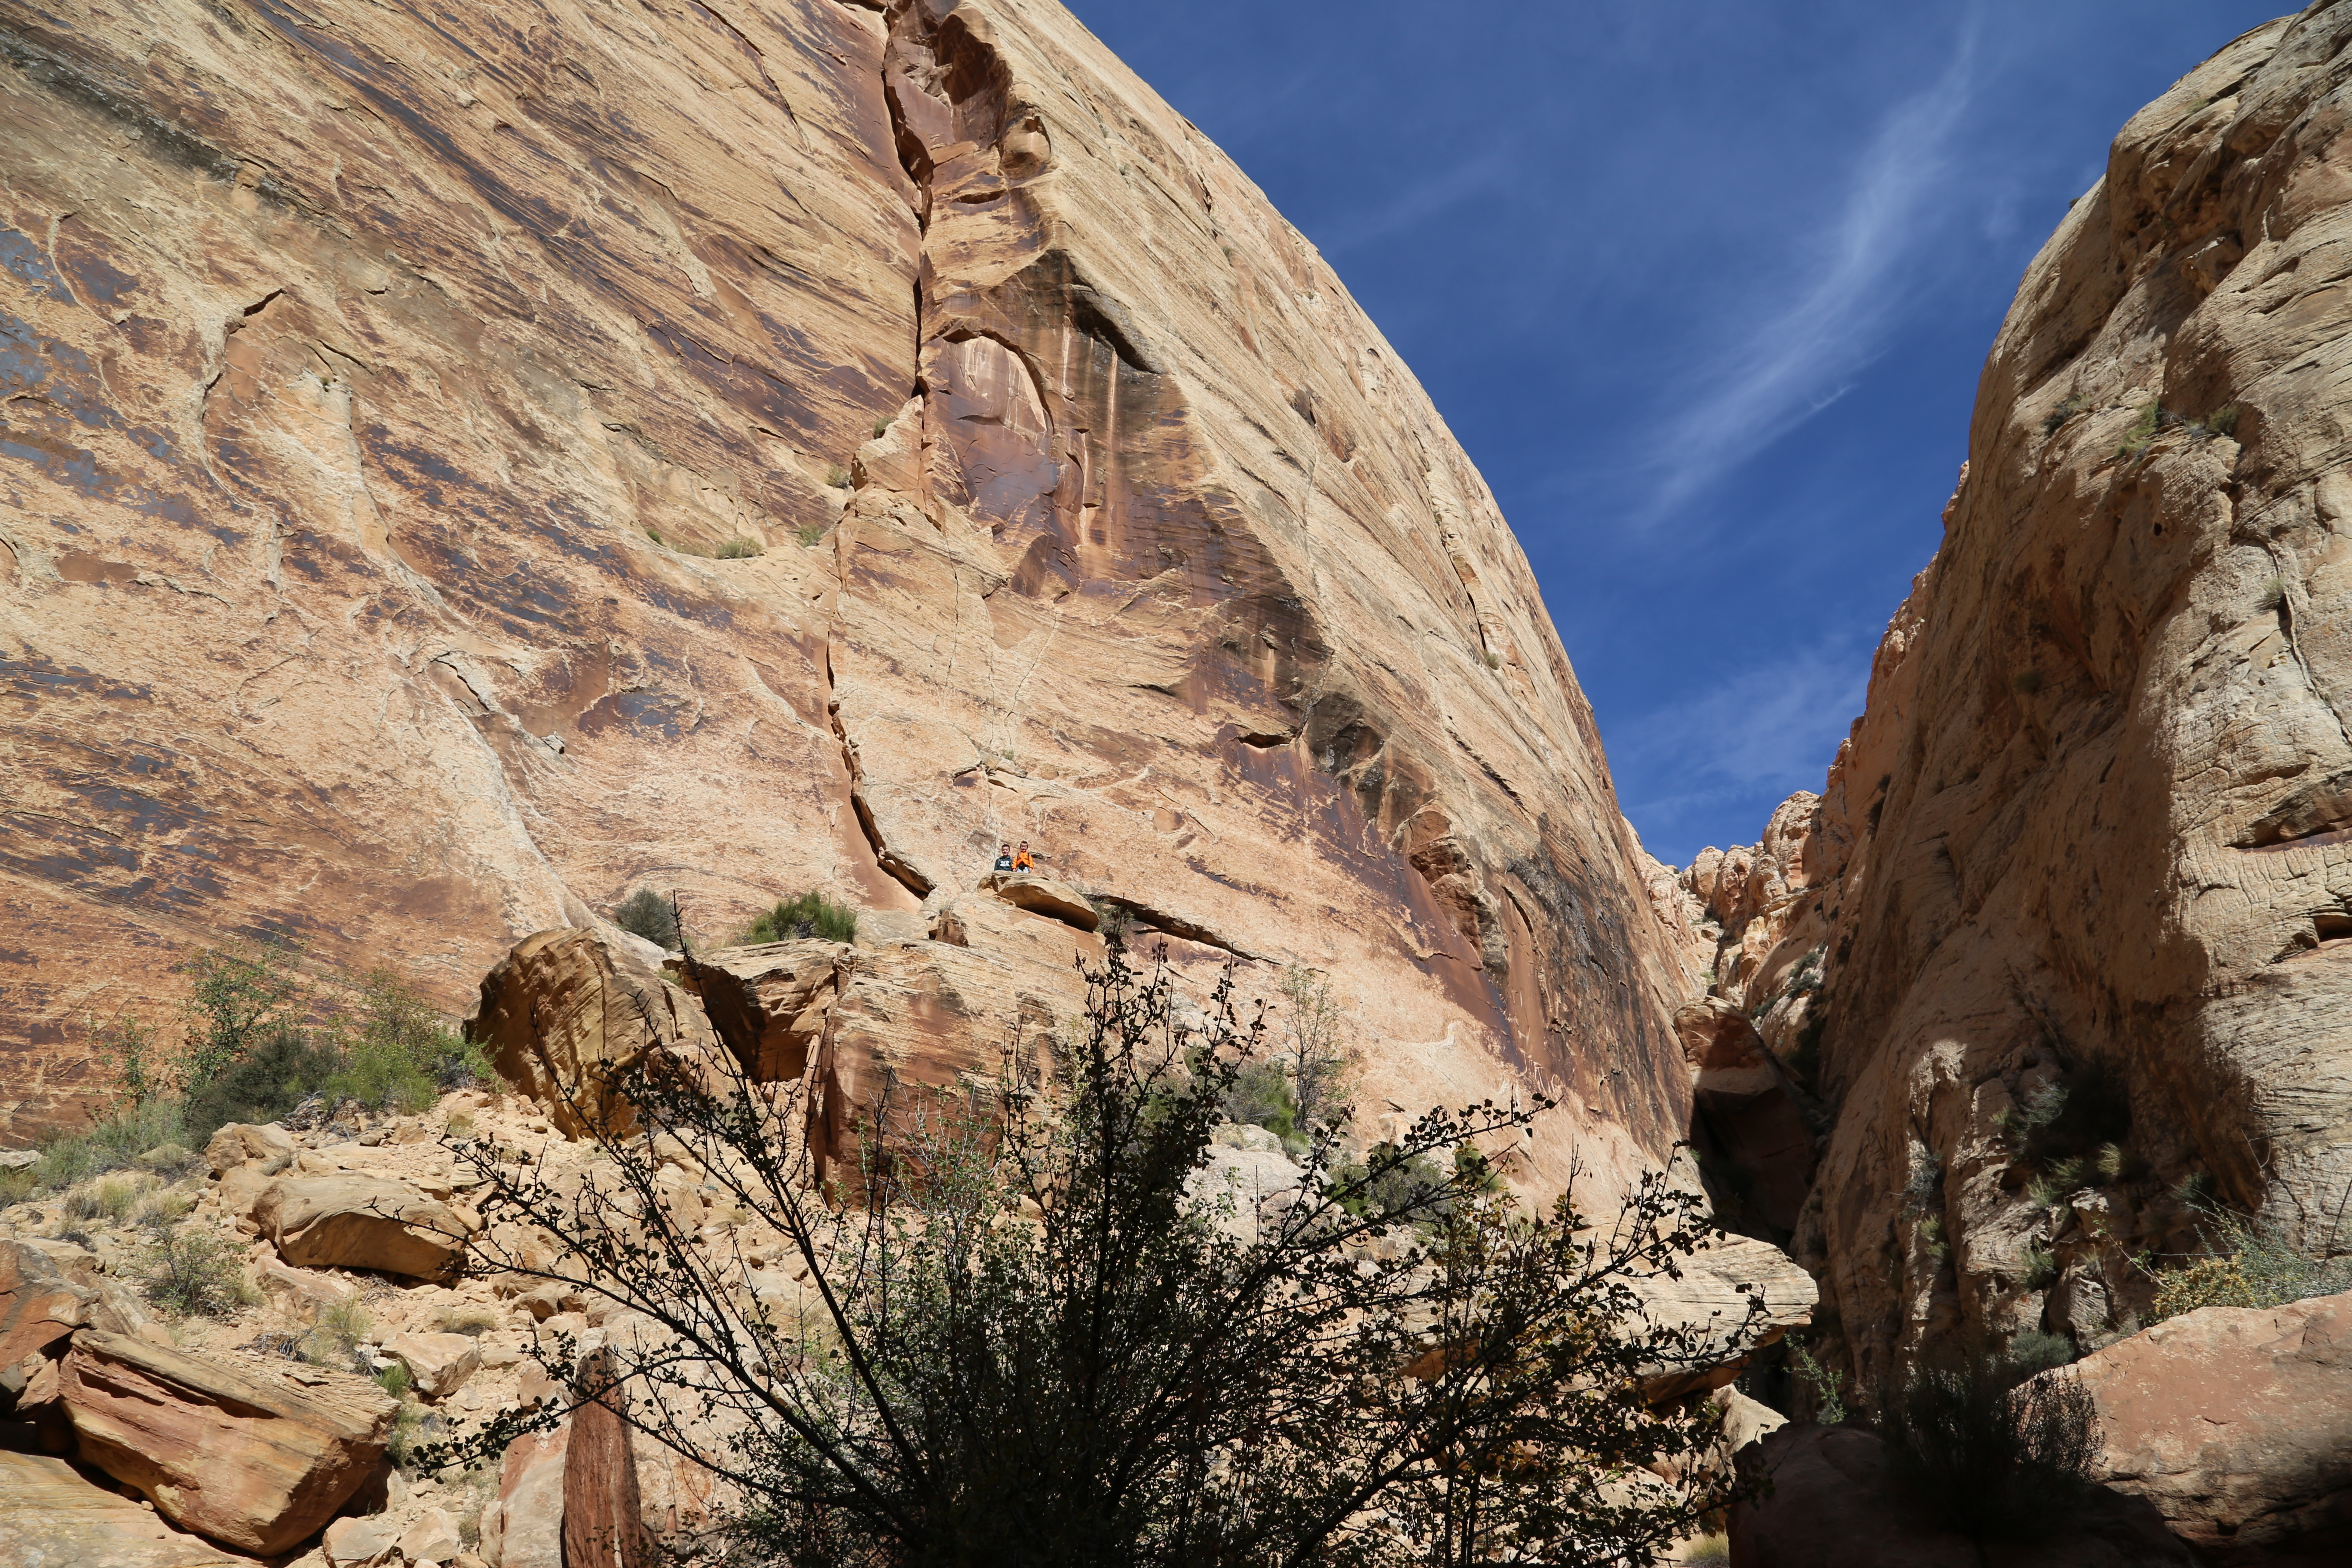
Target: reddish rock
[[603, 1515], [253, 1456], [524, 1529], [38, 1306], [2236, 1423]]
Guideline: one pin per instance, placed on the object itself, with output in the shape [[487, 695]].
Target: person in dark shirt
[[1005, 858]]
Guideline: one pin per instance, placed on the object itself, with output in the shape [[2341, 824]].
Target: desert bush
[[2251, 1263], [2067, 410], [1036, 1346], [114, 1144], [836, 477], [193, 1273], [811, 534], [810, 915], [1260, 1096], [737, 549], [1985, 1451], [109, 1198], [2032, 1350], [397, 1054], [1828, 1388], [2078, 1112], [335, 1336], [1923, 1190], [160, 1210], [2038, 1267], [273, 1077], [235, 1002], [647, 914], [2224, 421]]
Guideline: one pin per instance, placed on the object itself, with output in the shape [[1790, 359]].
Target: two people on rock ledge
[[1014, 859]]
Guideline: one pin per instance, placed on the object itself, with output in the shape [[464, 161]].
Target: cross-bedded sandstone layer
[[394, 391]]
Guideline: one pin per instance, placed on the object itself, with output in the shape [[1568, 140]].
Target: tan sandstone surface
[[393, 393], [2096, 817]]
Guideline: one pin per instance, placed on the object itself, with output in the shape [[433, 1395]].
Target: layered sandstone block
[[361, 1222], [254, 1457]]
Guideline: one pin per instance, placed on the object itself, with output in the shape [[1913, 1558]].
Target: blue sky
[[1703, 286]]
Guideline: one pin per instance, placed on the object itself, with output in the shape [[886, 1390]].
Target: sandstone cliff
[[2094, 828], [464, 463]]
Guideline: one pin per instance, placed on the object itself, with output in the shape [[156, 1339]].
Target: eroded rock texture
[[2091, 833], [388, 385]]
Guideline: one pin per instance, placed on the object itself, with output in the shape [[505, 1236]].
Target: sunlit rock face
[[2094, 830], [397, 392]]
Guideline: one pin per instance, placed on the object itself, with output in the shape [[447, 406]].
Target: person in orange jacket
[[1020, 858]]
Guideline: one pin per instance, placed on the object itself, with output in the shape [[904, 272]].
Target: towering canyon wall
[[2094, 827], [393, 393]]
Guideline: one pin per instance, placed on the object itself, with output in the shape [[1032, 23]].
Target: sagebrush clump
[[811, 915], [647, 914], [1983, 1445]]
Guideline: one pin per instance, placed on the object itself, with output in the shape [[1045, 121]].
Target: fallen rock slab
[[360, 1543], [2236, 1424], [51, 1517], [1044, 896], [360, 1222], [524, 1529], [253, 1457], [1712, 1299], [39, 1305]]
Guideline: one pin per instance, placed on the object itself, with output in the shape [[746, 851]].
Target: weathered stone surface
[[238, 1143], [362, 1542], [524, 1529], [768, 1003], [2094, 813], [361, 1222], [1163, 561], [1832, 1506], [254, 1456], [567, 1008], [1746, 1115], [52, 1517], [603, 1514], [432, 1538], [1044, 896], [439, 1365], [2236, 1423], [1713, 1295], [39, 1305]]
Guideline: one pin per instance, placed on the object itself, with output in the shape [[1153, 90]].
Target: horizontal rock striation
[[463, 464]]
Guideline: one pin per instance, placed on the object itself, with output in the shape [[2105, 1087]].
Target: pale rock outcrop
[[361, 1222], [2090, 832], [1133, 538], [254, 1456], [1713, 1296], [524, 1528], [57, 1519], [360, 1542], [432, 1538], [2236, 1423]]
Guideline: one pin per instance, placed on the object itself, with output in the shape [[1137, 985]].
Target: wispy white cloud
[[1768, 727], [1424, 199], [1813, 334]]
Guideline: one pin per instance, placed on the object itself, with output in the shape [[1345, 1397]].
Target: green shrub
[[1983, 1454], [881, 428], [2251, 1263], [2084, 1109], [2121, 1163], [737, 549], [2273, 593], [335, 1336], [2224, 421], [2060, 414], [160, 1210], [263, 1085], [394, 1380], [2032, 1350], [647, 914], [2143, 429], [114, 1144], [837, 476], [1923, 1193], [398, 1053], [235, 1002], [1828, 1388], [109, 1198], [1260, 1096], [810, 915], [2041, 1268], [811, 534], [193, 1273]]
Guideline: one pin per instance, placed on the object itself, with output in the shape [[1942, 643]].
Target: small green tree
[[1035, 1337], [1320, 1068], [128, 1047], [647, 914], [233, 1002]]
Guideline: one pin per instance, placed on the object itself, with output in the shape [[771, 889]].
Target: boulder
[[565, 1008], [524, 1529], [768, 1002], [986, 923], [39, 1305], [364, 1542], [241, 1143], [1713, 1295], [361, 1222], [1832, 1505], [439, 1365], [254, 1456], [1042, 896], [431, 1538], [2236, 1424], [51, 1517]]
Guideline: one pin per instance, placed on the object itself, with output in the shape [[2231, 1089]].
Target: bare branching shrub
[[1024, 1328], [1981, 1452], [2254, 1263]]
